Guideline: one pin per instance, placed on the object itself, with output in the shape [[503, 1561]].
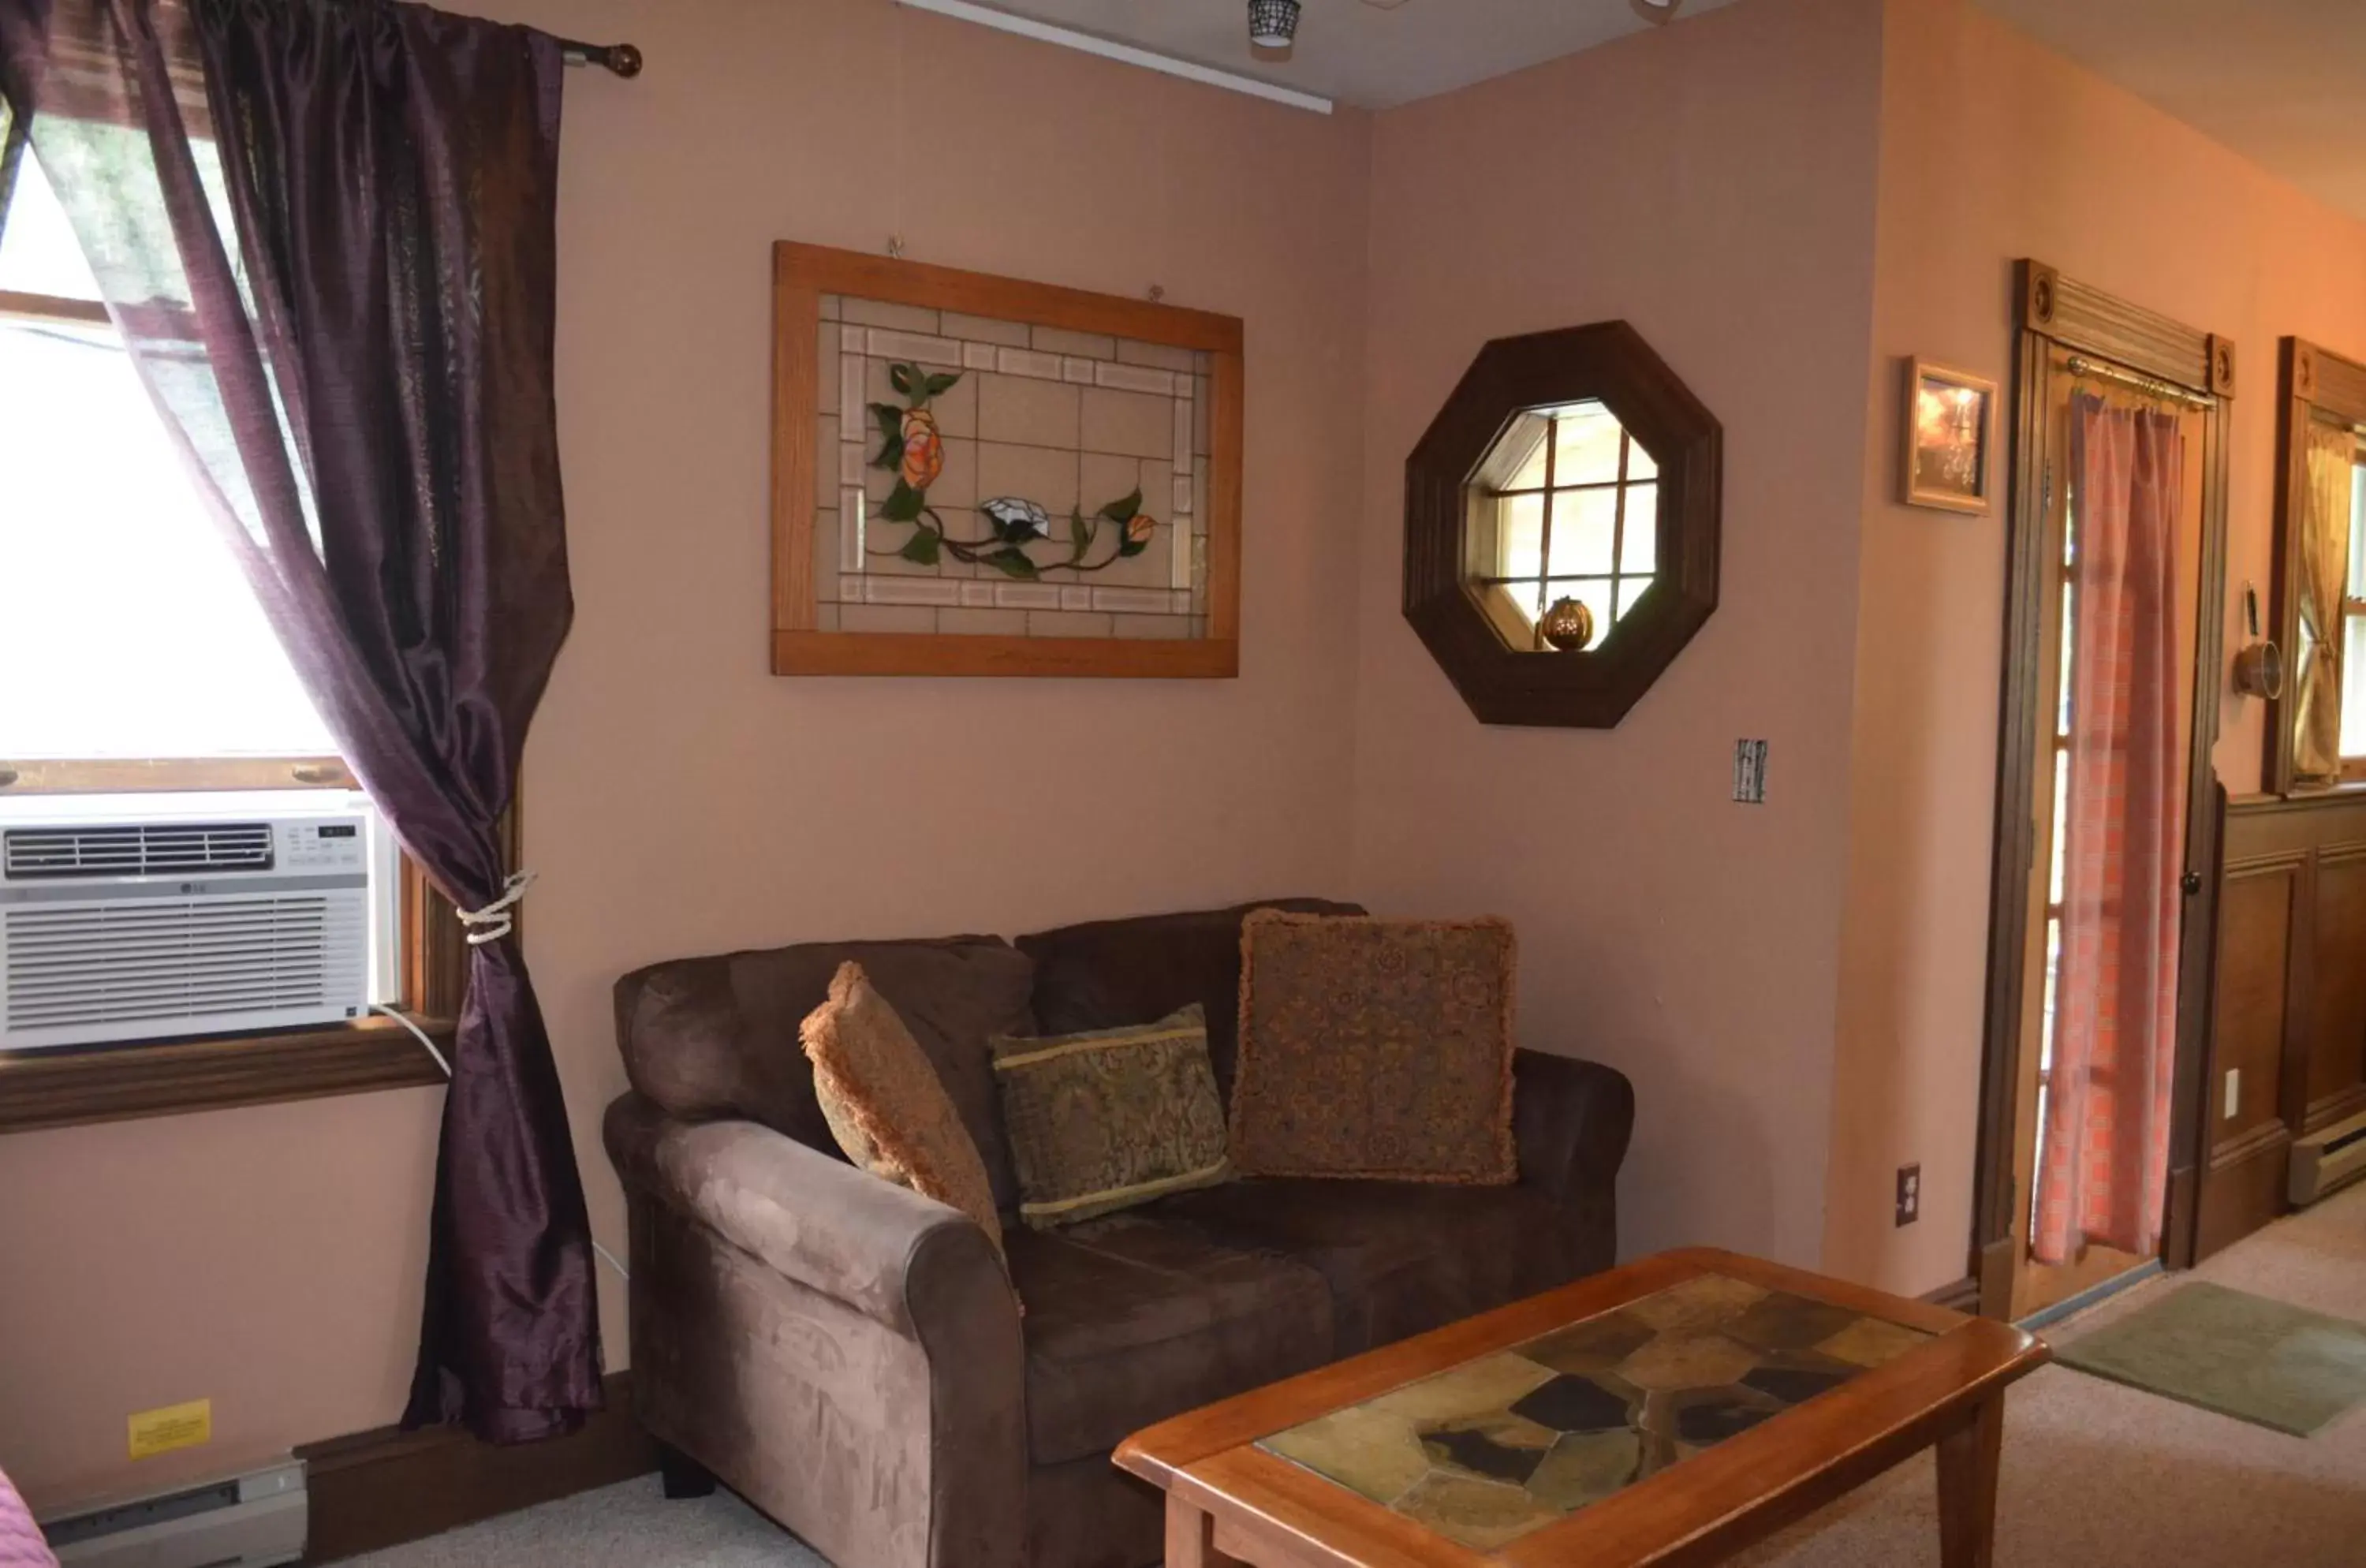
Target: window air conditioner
[[144, 925]]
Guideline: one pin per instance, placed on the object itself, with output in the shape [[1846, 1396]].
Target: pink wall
[[679, 798], [1994, 149], [1794, 987], [1712, 184]]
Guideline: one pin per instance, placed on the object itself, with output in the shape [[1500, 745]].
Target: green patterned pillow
[[1105, 1120]]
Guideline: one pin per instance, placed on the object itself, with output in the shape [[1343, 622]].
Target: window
[[1561, 527], [126, 630], [2353, 631], [133, 663], [1574, 515]]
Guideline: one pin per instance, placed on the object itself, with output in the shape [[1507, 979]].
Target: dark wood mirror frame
[[2312, 385], [1593, 689]]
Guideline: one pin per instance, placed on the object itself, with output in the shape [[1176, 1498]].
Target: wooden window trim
[[70, 1088], [2314, 385]]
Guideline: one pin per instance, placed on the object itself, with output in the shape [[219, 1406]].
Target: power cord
[[429, 1046]]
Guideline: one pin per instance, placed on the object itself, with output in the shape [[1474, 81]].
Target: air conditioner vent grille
[[136, 848], [169, 959]]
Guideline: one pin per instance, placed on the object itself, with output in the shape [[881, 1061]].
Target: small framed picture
[[1950, 423]]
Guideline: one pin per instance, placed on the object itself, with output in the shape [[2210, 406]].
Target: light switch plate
[[2234, 1092]]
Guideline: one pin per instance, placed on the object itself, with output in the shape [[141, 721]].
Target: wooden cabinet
[[2288, 1000]]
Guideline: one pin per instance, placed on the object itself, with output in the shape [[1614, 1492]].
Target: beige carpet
[[2096, 1475]]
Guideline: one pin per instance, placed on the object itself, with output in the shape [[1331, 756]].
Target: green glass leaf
[[1011, 562], [938, 385], [923, 547], [1124, 510], [903, 378], [891, 455], [1132, 546], [1080, 534], [904, 504]]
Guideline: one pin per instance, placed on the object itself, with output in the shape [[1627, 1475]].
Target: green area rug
[[2240, 1355]]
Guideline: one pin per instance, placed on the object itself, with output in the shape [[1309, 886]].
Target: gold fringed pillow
[[886, 1104], [1104, 1119], [1375, 1048]]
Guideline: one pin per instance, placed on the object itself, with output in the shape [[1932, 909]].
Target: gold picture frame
[[1948, 438], [802, 645]]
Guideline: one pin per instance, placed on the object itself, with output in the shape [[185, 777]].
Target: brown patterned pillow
[[1107, 1119], [886, 1104], [1375, 1048]]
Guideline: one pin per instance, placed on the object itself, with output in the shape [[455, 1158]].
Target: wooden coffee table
[[1673, 1411]]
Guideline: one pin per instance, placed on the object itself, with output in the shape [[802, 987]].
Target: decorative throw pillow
[[886, 1104], [1105, 1120], [1375, 1048]]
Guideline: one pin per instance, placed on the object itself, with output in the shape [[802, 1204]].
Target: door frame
[[2053, 311]]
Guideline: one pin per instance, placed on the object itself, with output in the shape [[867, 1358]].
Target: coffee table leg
[[1191, 1537], [1968, 1459]]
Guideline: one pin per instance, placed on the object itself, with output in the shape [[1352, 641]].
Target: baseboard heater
[[2329, 1160], [247, 1522]]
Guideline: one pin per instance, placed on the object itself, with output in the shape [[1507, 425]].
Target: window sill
[[65, 1089]]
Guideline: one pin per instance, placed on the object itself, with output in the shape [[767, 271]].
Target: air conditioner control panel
[[330, 844]]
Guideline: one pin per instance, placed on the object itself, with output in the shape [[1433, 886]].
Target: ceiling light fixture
[[1110, 49], [1273, 23]]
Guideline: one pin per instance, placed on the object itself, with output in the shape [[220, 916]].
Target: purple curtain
[[326, 229]]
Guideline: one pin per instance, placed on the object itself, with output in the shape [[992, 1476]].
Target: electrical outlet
[[1909, 1194], [1749, 771]]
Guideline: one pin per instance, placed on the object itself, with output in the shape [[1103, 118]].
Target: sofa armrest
[[844, 1352], [1573, 1120], [880, 1248]]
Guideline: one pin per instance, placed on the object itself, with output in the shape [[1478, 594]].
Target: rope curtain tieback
[[492, 922]]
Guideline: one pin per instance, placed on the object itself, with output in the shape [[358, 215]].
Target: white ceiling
[[1371, 53], [2281, 82]]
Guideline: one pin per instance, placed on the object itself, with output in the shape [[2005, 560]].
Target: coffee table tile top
[[1487, 1452]]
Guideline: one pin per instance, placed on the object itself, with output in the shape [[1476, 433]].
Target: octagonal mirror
[[1561, 524]]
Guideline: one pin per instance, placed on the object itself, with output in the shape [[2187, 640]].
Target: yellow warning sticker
[[171, 1427]]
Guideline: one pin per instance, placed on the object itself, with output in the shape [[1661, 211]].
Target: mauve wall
[[1712, 184], [1994, 149], [679, 799]]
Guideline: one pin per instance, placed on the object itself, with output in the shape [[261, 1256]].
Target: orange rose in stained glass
[[1140, 527], [924, 449]]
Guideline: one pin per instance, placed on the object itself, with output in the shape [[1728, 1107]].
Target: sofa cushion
[[886, 1104], [1111, 1118], [715, 1037], [1129, 1321], [1375, 1048], [1400, 1258], [1107, 973]]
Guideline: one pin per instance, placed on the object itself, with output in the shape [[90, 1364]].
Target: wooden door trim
[[2058, 312]]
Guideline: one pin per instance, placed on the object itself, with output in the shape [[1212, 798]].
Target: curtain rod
[[621, 58], [2081, 366]]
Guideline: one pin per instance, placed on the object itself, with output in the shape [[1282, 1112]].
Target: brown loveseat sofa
[[848, 1355]]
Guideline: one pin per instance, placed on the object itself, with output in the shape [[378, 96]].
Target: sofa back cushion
[[1108, 973], [717, 1037]]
